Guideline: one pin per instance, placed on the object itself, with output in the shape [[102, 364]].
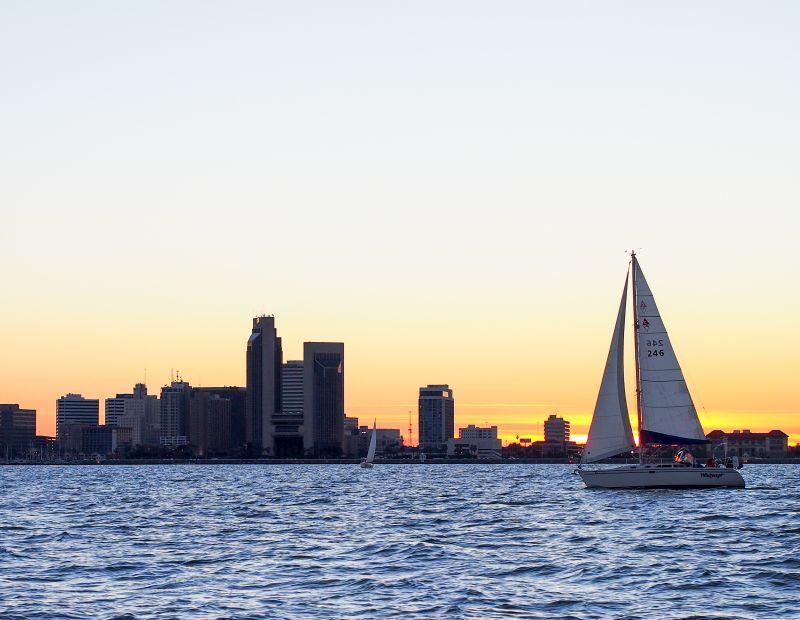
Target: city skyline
[[525, 419], [448, 189]]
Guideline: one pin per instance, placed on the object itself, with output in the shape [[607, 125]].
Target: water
[[320, 541]]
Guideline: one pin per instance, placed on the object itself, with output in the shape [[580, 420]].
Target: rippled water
[[337, 541]]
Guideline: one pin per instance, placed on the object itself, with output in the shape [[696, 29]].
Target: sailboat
[[373, 442], [666, 414]]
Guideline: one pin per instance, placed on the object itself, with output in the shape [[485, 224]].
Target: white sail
[[373, 442], [668, 413], [610, 432]]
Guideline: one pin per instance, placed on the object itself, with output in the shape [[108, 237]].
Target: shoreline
[[551, 461]]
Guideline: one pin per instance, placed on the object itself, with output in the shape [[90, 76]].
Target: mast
[[636, 359]]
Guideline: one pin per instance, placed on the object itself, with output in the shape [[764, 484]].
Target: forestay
[[610, 432], [668, 413]]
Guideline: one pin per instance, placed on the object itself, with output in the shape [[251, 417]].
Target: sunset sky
[[449, 188]]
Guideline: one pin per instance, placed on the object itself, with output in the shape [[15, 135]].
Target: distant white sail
[[373, 442], [668, 413], [610, 432]]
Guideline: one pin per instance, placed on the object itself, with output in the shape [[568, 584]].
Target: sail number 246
[[655, 352]]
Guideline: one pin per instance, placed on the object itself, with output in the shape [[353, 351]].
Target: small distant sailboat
[[665, 411], [373, 442]]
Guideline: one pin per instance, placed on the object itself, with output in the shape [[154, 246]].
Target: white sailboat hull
[[366, 465], [659, 476]]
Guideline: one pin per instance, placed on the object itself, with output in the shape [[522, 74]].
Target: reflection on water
[[340, 541]]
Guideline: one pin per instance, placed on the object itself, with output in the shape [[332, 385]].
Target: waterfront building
[[323, 398], [746, 444], [75, 409], [173, 428], [137, 411], [17, 431], [388, 440], [238, 399], [357, 438], [556, 430], [352, 441], [478, 441], [123, 405], [210, 423], [436, 417], [264, 369], [292, 388]]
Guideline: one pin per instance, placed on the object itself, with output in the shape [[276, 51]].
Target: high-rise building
[[75, 409], [264, 364], [556, 430], [292, 388], [209, 423], [127, 405], [436, 417], [323, 398], [238, 399], [136, 411], [174, 429], [17, 430]]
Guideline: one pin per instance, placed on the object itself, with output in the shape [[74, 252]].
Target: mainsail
[[610, 432], [668, 415]]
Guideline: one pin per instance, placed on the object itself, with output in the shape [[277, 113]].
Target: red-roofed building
[[754, 445]]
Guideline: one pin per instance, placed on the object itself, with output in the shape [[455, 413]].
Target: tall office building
[[209, 423], [556, 430], [238, 400], [75, 409], [292, 388], [174, 429], [323, 398], [123, 405], [17, 430], [436, 417], [264, 362]]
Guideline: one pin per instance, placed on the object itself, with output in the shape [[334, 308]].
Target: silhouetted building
[[746, 444], [556, 430], [292, 388], [323, 391], [476, 441], [210, 424], [356, 439], [17, 431], [238, 399], [174, 429], [75, 409], [91, 439], [436, 417], [264, 365], [136, 411]]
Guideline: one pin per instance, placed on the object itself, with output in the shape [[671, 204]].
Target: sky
[[449, 188]]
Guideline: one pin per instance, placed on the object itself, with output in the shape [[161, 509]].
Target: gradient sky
[[447, 187]]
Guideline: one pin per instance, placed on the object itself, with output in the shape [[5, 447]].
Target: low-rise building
[[746, 444], [475, 441]]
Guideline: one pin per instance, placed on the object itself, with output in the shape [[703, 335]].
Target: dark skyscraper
[[436, 417], [264, 363], [323, 390], [209, 423], [238, 399]]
